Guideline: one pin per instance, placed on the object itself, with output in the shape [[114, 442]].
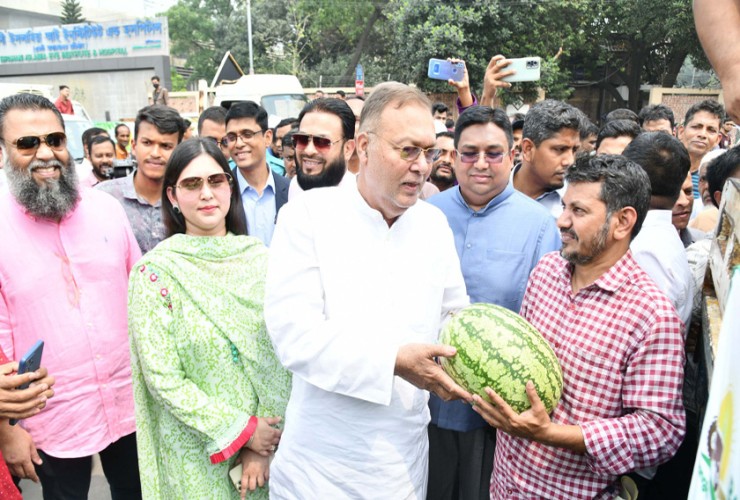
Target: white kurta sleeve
[[334, 354]]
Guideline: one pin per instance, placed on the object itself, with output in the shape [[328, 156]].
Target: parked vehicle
[[281, 95]]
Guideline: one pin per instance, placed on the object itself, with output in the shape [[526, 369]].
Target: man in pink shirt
[[64, 269]]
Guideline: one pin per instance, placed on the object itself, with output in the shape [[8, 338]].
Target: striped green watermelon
[[499, 349]]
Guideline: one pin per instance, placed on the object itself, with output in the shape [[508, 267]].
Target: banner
[[148, 37], [717, 467]]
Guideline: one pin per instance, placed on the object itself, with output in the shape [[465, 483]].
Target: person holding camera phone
[[19, 403], [208, 387]]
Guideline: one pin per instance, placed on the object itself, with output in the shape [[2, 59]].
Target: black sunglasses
[[55, 140], [301, 141]]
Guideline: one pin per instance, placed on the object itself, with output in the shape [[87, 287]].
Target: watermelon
[[499, 349]]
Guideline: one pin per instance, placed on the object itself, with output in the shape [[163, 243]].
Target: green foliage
[[607, 42], [179, 83], [71, 12]]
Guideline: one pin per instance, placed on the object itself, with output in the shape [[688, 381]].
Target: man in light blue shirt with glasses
[[263, 192], [500, 235]]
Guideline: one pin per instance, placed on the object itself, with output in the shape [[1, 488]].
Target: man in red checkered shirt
[[619, 343]]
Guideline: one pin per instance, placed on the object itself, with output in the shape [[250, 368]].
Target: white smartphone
[[527, 69], [236, 477]]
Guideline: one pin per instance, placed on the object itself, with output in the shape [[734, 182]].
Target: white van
[[281, 95]]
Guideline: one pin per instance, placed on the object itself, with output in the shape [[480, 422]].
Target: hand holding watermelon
[[531, 424], [416, 364], [499, 349]]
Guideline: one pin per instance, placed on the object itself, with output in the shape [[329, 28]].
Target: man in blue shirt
[[500, 235], [263, 192]]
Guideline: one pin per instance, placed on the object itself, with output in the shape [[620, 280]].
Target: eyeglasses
[[490, 157], [215, 181], [300, 141], [213, 140], [55, 140], [244, 135], [411, 153]]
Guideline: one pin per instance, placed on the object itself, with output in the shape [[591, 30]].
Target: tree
[[476, 30], [71, 12], [633, 43]]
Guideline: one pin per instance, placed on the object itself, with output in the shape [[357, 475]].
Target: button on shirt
[[145, 218], [344, 292], [66, 283], [620, 347], [259, 209], [498, 247]]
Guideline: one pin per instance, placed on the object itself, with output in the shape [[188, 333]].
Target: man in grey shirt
[[157, 130]]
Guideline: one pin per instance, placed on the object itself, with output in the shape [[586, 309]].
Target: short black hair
[[336, 107], [655, 112], [722, 168], [181, 157], [341, 93], [288, 138], [216, 114], [709, 106], [588, 128], [623, 183], [115, 131], [98, 139], [549, 117], [89, 134], [155, 77], [446, 133], [439, 107], [166, 119], [622, 114], [248, 109], [618, 128], [481, 115], [293, 122], [62, 87], [665, 160], [26, 102]]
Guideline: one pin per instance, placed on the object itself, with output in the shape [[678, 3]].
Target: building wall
[[109, 89]]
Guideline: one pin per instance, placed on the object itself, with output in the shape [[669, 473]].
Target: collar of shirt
[[655, 218], [241, 181], [495, 201], [128, 190], [610, 281]]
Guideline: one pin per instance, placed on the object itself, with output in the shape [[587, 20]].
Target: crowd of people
[[261, 306]]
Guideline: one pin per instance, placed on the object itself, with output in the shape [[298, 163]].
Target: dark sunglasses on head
[[244, 135], [55, 140], [215, 181], [489, 156], [300, 141]]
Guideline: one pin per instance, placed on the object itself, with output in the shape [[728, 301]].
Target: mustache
[[36, 164], [570, 233]]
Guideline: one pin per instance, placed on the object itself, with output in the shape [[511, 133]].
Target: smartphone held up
[[441, 69]]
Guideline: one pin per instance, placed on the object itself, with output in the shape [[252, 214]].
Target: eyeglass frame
[[499, 155], [204, 181], [312, 139], [40, 139], [241, 134], [401, 149]]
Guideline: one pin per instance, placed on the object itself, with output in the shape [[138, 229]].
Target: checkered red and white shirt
[[621, 350]]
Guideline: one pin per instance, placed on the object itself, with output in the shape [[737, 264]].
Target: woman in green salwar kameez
[[208, 388]]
